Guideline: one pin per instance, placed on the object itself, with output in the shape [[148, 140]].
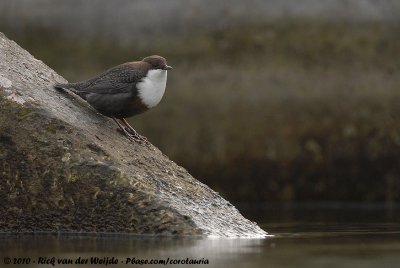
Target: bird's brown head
[[157, 62]]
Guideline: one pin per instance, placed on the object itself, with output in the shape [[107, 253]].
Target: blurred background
[[269, 101]]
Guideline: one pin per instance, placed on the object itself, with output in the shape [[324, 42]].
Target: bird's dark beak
[[167, 67]]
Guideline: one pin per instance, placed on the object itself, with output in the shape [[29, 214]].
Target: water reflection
[[305, 237], [127, 246]]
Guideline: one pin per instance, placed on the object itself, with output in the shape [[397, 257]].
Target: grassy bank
[[283, 111]]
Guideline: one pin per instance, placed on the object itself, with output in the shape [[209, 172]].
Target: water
[[306, 235]]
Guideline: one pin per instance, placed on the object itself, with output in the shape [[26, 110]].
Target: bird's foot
[[129, 132], [133, 136], [134, 133], [137, 136]]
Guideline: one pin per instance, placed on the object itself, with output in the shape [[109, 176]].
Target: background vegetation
[[292, 109]]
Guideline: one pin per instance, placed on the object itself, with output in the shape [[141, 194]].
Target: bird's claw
[[137, 137], [133, 136], [129, 132]]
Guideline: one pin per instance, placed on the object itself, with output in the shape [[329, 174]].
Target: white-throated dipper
[[125, 90]]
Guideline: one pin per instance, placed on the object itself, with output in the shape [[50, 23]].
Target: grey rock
[[65, 168]]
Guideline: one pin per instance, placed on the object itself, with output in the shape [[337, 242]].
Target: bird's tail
[[62, 86], [69, 87]]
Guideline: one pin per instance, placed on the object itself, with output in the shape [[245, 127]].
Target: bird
[[125, 90]]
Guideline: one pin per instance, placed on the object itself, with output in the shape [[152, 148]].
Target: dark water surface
[[324, 235]]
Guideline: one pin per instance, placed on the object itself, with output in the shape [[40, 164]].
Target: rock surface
[[65, 168]]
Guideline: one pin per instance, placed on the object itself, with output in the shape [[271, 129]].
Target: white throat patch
[[152, 87]]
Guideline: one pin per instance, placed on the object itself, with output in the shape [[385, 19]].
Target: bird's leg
[[129, 127], [124, 131], [132, 131]]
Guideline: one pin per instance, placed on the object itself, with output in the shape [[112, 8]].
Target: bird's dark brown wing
[[120, 79]]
